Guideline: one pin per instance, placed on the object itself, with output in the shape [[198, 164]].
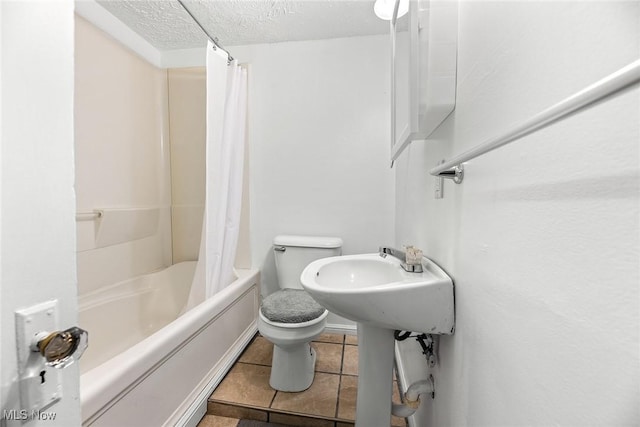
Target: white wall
[[318, 132], [38, 206], [542, 237]]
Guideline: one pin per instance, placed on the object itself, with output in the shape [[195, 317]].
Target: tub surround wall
[[187, 95], [318, 136], [122, 160], [140, 143], [122, 153], [542, 238], [187, 108]]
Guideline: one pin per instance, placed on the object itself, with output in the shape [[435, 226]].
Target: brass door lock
[[61, 348], [39, 350]]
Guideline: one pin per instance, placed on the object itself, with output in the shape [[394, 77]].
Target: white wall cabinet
[[423, 77]]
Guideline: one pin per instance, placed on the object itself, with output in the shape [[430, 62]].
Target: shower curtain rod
[[214, 40]]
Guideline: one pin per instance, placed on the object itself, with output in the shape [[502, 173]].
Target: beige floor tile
[[259, 352], [294, 420], [350, 360], [217, 421], [247, 384], [329, 357], [395, 398], [397, 421], [239, 412], [347, 398], [333, 338], [351, 339], [319, 399]]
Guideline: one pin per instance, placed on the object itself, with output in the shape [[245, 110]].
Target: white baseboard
[[335, 328]]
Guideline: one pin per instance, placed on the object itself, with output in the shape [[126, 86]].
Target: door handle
[[40, 351], [61, 348]]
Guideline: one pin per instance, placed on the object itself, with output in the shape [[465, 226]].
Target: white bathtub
[[148, 366]]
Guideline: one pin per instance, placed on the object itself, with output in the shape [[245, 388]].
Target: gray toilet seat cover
[[291, 306]]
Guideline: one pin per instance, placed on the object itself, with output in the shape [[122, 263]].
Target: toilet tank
[[294, 253]]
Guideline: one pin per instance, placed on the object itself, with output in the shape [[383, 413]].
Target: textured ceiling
[[166, 25]]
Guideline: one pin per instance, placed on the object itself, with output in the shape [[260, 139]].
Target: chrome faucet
[[413, 265]]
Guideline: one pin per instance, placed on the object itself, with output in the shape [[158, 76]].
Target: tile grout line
[[272, 400], [344, 341], [270, 411]]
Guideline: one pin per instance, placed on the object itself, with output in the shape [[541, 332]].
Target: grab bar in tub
[[88, 216]]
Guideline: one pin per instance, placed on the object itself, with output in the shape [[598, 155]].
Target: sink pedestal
[[375, 376], [381, 296]]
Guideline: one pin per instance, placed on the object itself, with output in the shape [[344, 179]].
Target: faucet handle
[[413, 255]]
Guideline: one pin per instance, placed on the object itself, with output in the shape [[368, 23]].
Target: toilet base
[[292, 367]]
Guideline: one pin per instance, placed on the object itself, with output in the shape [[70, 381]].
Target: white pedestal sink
[[381, 297]]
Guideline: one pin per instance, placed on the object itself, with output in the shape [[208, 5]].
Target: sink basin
[[381, 297], [376, 291]]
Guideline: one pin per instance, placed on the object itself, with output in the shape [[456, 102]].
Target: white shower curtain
[[225, 139]]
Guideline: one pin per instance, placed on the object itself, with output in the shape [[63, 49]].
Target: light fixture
[[384, 8]]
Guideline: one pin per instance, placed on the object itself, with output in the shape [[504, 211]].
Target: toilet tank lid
[[308, 241]]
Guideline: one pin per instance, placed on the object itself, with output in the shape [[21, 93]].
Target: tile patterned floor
[[329, 402]]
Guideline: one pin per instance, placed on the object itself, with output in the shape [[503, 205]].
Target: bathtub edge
[[98, 396]]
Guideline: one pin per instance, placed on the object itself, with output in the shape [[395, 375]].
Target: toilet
[[290, 318]]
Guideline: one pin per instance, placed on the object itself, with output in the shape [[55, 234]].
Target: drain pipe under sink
[[411, 399]]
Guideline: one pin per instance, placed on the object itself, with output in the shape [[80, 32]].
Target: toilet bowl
[[290, 318], [294, 360]]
